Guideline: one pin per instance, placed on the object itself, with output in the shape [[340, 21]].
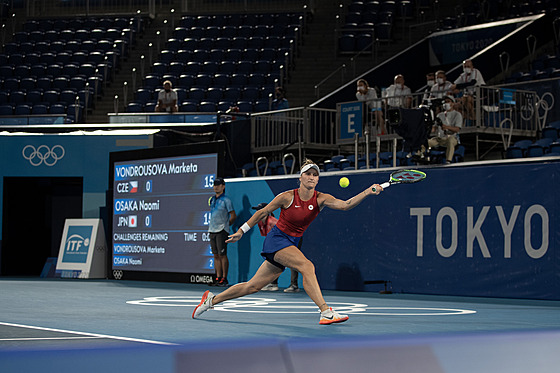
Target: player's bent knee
[[252, 289], [307, 268]]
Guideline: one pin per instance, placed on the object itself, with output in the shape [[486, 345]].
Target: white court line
[[89, 334], [45, 339]]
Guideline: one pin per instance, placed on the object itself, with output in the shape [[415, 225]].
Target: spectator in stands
[[430, 82], [463, 86], [399, 95], [469, 78], [167, 99], [442, 87], [446, 128], [280, 102], [369, 95]]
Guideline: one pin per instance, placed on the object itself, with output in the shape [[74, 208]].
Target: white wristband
[[245, 228]]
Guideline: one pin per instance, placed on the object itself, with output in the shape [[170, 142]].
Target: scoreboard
[[161, 211]]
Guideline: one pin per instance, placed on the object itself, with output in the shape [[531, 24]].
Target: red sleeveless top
[[295, 219]]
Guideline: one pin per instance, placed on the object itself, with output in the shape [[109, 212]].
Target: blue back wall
[[474, 230]]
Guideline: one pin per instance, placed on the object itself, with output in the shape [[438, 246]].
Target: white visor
[[307, 167]]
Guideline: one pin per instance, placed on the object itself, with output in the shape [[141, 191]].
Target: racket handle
[[384, 185]]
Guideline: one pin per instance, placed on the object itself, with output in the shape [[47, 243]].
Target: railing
[[341, 69], [487, 111], [298, 128]]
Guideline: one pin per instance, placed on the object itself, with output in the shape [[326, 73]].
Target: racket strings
[[408, 176]]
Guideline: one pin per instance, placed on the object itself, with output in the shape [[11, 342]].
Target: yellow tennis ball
[[210, 201], [344, 182]]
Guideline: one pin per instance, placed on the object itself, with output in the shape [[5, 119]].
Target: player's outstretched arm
[[338, 204]]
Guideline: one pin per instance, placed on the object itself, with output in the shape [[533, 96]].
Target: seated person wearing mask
[[445, 131]]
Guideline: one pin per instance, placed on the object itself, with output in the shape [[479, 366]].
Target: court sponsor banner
[[486, 230], [83, 249]]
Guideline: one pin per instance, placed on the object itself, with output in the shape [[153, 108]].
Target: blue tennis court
[[109, 320]]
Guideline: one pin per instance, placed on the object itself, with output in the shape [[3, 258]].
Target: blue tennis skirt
[[277, 240]]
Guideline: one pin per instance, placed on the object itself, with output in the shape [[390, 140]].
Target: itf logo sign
[[77, 244]]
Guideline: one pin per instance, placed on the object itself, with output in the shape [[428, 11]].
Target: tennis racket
[[403, 176]]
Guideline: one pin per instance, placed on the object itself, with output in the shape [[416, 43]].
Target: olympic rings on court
[[271, 305], [43, 154]]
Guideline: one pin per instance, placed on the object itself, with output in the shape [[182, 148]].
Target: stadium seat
[[336, 159], [17, 97], [544, 143], [207, 107], [214, 94], [555, 147], [39, 109], [11, 83], [197, 94], [550, 132], [345, 164], [51, 96], [347, 43], [185, 81], [57, 109], [232, 94], [34, 96], [245, 106], [189, 107], [6, 109], [535, 150], [22, 109], [134, 107]]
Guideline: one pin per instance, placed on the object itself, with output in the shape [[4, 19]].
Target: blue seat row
[[245, 106], [40, 109], [538, 148], [241, 19], [81, 56], [245, 31], [81, 35], [205, 43], [52, 96], [214, 94], [213, 67]]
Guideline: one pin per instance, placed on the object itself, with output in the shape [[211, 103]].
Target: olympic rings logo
[[272, 305], [43, 154]]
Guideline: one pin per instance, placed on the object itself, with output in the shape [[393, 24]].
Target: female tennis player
[[298, 209]]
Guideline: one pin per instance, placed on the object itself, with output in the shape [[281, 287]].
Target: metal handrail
[[318, 85], [293, 163], [265, 166]]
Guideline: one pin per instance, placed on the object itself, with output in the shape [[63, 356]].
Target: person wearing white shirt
[[469, 79], [167, 99], [365, 93], [398, 94]]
